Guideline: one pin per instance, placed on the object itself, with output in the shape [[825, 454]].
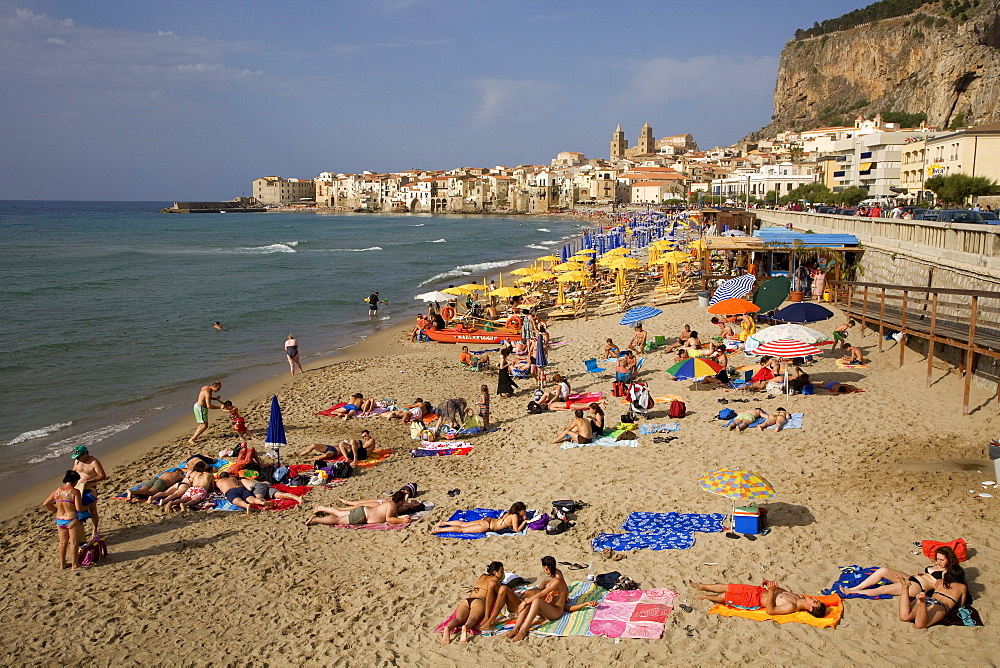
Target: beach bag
[[808, 388], [267, 473], [677, 409], [340, 470], [618, 389], [281, 474], [415, 428], [539, 523], [727, 414], [92, 552], [639, 397], [535, 408], [958, 546], [607, 580], [557, 526], [627, 435], [567, 506], [318, 478]]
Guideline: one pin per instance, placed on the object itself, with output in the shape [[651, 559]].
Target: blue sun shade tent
[[779, 235]]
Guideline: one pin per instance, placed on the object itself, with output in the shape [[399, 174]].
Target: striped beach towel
[[571, 624]]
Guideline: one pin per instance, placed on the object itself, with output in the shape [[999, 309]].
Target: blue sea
[[108, 307]]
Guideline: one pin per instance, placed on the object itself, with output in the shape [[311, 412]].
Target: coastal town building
[[781, 179], [274, 190]]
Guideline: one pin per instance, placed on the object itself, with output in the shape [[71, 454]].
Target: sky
[[185, 100]]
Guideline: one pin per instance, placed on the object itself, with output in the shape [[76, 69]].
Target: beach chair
[[638, 365], [591, 365]]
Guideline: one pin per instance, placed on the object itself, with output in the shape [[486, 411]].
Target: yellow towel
[[834, 611]]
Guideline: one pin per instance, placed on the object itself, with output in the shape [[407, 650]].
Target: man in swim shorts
[[155, 485], [771, 597], [580, 430], [91, 472], [205, 401], [372, 303], [385, 512], [238, 495]]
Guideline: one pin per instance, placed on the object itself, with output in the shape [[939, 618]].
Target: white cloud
[[508, 96], [721, 77]]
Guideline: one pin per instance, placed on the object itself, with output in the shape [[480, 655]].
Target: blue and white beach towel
[[659, 531]]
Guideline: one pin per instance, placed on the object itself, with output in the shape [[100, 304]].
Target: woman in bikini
[[778, 417], [512, 521], [611, 351], [66, 502], [930, 609], [472, 609], [199, 482], [597, 419], [945, 561]]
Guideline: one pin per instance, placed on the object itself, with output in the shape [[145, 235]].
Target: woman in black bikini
[[512, 521], [945, 562], [472, 609], [597, 419], [928, 610]]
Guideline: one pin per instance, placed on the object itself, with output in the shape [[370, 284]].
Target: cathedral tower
[[646, 142], [618, 144]]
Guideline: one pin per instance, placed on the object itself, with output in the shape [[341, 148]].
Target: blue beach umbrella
[[275, 429], [638, 314], [734, 288], [803, 312]]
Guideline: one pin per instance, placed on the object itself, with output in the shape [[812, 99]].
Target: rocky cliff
[[926, 62]]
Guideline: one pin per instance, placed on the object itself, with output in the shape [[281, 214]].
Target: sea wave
[[416, 225], [548, 243], [354, 250], [436, 241], [87, 438], [536, 247], [37, 433], [544, 229], [266, 250], [468, 269]]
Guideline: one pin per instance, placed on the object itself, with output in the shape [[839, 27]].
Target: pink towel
[[633, 614]]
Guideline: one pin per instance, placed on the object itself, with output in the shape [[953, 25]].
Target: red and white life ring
[[514, 323], [448, 313]]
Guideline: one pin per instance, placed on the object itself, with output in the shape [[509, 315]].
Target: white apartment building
[[278, 191], [781, 178]]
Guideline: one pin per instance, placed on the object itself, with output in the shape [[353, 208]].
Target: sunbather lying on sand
[[381, 513], [840, 388], [405, 506], [778, 417], [771, 597], [160, 483], [414, 411], [355, 405], [513, 520], [238, 495], [745, 419], [200, 482]]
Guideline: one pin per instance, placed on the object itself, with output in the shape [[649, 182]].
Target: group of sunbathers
[[188, 487], [396, 509]]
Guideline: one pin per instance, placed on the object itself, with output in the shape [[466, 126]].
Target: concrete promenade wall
[[973, 250]]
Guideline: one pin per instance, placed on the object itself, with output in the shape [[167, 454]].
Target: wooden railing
[[965, 319]]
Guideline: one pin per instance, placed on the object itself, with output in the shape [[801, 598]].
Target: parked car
[[990, 218], [962, 216], [850, 211], [915, 210], [929, 214], [826, 209]]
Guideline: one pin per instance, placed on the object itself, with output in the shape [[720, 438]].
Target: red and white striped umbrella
[[786, 349]]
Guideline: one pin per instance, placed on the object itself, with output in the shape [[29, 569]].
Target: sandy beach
[[866, 476]]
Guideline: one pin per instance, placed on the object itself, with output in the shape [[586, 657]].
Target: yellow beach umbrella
[[567, 266], [543, 276], [473, 287], [523, 271], [573, 277], [524, 280], [459, 290], [548, 258], [626, 263], [675, 257], [698, 243], [617, 251], [508, 292], [588, 251]]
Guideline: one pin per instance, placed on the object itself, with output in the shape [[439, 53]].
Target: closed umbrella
[[734, 287], [786, 349], [540, 358], [275, 429], [638, 314], [803, 312]]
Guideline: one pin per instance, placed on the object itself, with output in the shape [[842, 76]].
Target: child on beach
[[840, 333], [239, 424], [66, 502], [744, 420], [855, 356], [484, 407]]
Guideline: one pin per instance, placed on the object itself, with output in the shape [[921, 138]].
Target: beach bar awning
[[779, 235]]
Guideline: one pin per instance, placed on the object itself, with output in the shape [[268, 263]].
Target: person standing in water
[[292, 353], [373, 303]]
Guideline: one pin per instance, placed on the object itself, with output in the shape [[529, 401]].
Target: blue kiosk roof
[[782, 236]]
